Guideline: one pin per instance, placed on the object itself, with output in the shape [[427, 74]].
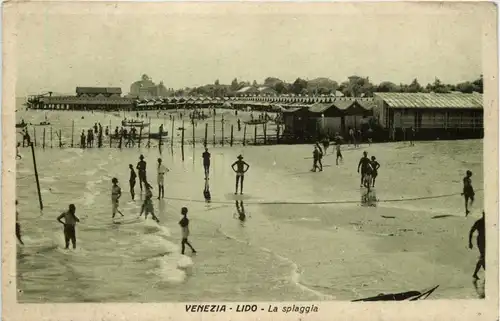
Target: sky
[[58, 51]]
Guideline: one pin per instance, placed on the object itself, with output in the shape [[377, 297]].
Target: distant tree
[[414, 87], [478, 84], [235, 85], [438, 87], [387, 87], [281, 88], [323, 91], [298, 86], [254, 83], [466, 87], [217, 82], [272, 82]]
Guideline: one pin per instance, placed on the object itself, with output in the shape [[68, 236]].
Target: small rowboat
[[403, 296], [134, 123], [255, 122]]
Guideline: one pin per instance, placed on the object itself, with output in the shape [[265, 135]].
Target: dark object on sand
[[410, 295]]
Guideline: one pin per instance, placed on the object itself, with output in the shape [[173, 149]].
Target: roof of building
[[432, 100], [320, 107], [74, 100], [98, 90]]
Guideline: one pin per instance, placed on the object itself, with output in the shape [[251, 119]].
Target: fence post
[[120, 142], [43, 143], [231, 141], [182, 141], [72, 132], [255, 135], [50, 136], [278, 134], [36, 177], [172, 133], [244, 134], [222, 124], [60, 139], [214, 127], [34, 135], [140, 137], [206, 135], [149, 133]]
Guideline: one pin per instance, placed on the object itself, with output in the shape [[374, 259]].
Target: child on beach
[[147, 206], [132, 180], [375, 166], [468, 191], [240, 172], [116, 193], [184, 223], [69, 223]]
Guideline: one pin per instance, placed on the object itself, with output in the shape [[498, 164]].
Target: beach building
[[432, 115], [147, 89], [86, 98]]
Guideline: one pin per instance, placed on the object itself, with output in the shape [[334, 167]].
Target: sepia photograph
[[217, 153]]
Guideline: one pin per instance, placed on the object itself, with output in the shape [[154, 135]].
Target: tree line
[[354, 86]]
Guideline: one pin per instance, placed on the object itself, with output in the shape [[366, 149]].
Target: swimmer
[[240, 172], [375, 166], [364, 163], [206, 162], [18, 227], [479, 227], [161, 178], [69, 223], [116, 193], [468, 191], [131, 181], [147, 206], [141, 167], [184, 223]]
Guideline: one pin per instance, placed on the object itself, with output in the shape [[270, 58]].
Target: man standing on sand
[[468, 191], [481, 242], [141, 167], [69, 223], [184, 223], [206, 162], [116, 193], [161, 179], [364, 164], [240, 172], [132, 181], [18, 227]]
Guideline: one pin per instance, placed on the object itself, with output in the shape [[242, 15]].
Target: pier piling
[[231, 141], [43, 142], [244, 134], [36, 177]]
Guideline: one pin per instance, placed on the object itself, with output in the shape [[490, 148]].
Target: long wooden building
[[431, 115]]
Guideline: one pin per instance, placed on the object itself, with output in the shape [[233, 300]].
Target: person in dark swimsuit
[[18, 227], [69, 223], [141, 168], [317, 159], [132, 181], [240, 172], [364, 164], [481, 244], [184, 223], [468, 191], [206, 162], [375, 166]]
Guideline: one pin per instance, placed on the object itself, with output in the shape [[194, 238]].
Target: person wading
[[131, 181], [240, 172], [69, 223], [161, 178], [184, 223], [206, 162], [141, 168]]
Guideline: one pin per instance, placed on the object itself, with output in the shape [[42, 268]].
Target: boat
[[409, 295], [157, 135], [21, 125], [134, 123], [43, 123], [255, 122]]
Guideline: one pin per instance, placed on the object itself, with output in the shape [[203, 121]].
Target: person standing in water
[[69, 223], [375, 166], [481, 244], [468, 191], [147, 206], [161, 178], [240, 172], [116, 193], [132, 181], [206, 162], [184, 223], [364, 163], [141, 167], [18, 227], [18, 155]]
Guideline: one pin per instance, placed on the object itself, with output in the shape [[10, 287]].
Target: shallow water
[[340, 251]]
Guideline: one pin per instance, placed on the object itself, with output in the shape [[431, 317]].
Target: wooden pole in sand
[[255, 135], [244, 134], [60, 138], [72, 132], [194, 138], [34, 135], [51, 137], [140, 137], [264, 128], [278, 134], [214, 127], [43, 143], [149, 133], [36, 178], [110, 133], [182, 141], [172, 133], [231, 141], [206, 135], [222, 124]]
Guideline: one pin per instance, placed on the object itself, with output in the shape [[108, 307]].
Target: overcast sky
[[58, 51]]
